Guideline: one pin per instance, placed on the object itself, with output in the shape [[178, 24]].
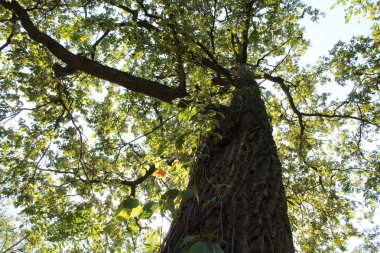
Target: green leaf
[[167, 206], [186, 249], [149, 208], [170, 195], [186, 240], [136, 211], [201, 247], [216, 248], [180, 140], [160, 150], [189, 193], [122, 216], [129, 203], [152, 242], [129, 208]]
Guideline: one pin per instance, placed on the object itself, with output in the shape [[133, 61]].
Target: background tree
[[109, 107]]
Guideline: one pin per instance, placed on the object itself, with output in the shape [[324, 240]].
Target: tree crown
[[104, 105]]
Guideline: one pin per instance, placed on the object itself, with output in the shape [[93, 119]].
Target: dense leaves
[[94, 166]]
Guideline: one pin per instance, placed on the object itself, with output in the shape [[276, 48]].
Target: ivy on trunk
[[241, 202]]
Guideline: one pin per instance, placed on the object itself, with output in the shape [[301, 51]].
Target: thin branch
[[7, 42], [343, 116], [211, 63], [98, 42], [300, 114], [285, 89], [11, 248], [283, 59], [146, 13], [269, 53], [360, 133], [212, 26], [132, 183], [151, 131], [135, 14], [320, 179]]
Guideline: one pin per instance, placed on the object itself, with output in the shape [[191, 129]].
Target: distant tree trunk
[[241, 196]]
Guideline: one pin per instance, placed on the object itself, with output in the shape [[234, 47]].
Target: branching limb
[[209, 62], [320, 179], [98, 42], [131, 183], [145, 10], [269, 53], [124, 79], [342, 116], [285, 89], [205, 62], [300, 114], [135, 14]]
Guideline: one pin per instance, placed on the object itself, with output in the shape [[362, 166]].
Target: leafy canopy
[[104, 105]]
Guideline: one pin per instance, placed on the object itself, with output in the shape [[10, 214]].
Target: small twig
[[151, 131]]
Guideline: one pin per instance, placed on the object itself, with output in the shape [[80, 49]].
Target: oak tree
[[118, 116]]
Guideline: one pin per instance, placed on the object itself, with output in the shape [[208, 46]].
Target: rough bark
[[241, 196]]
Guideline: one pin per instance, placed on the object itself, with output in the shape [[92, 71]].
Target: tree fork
[[242, 204]]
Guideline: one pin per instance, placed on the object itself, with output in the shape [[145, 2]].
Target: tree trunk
[[242, 204]]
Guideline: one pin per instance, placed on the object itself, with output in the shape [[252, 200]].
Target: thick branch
[[126, 80], [212, 65], [242, 57], [210, 62], [141, 179]]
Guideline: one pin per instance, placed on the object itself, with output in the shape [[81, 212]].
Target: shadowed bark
[[242, 201]]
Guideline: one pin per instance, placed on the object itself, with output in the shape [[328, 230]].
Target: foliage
[[11, 239], [94, 165]]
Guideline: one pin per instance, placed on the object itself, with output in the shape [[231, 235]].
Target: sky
[[330, 29]]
